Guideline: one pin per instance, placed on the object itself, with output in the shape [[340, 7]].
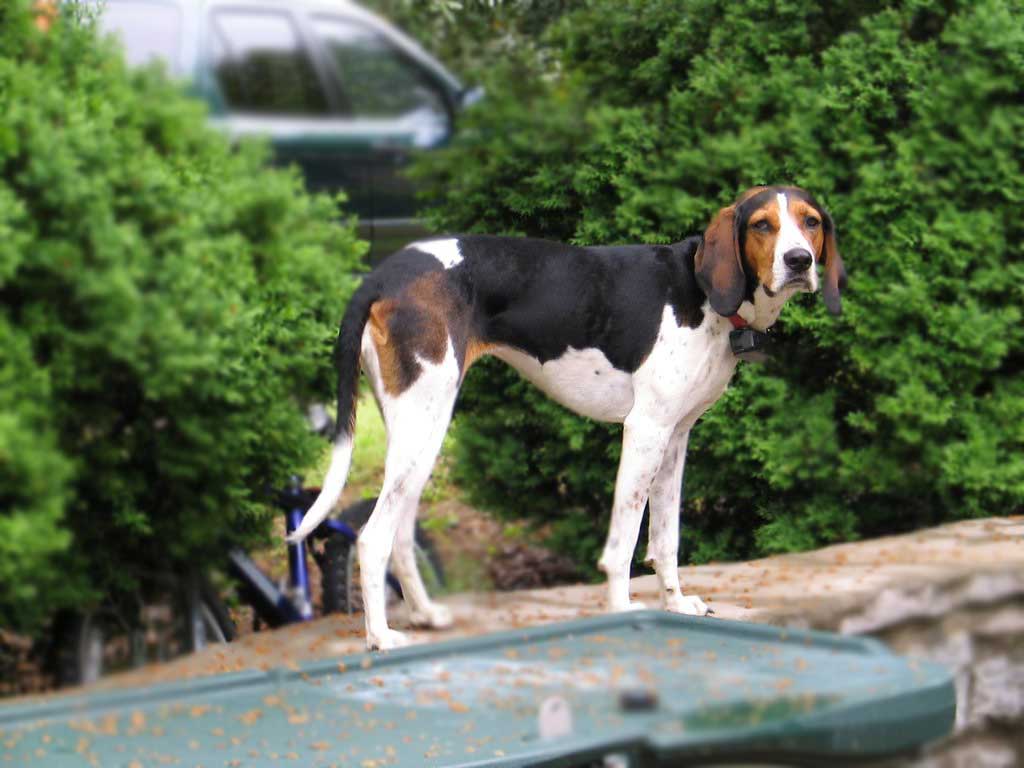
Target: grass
[[371, 446], [368, 454]]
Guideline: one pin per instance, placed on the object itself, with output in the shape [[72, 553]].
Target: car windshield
[[262, 65], [378, 80]]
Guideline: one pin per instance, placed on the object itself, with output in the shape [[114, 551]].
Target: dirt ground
[[821, 589], [475, 552]]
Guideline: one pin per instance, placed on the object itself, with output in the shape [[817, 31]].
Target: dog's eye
[[812, 222], [761, 226]]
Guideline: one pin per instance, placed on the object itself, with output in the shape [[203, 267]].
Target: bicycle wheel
[[341, 590]]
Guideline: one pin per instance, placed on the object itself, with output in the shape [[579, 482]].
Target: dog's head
[[773, 237]]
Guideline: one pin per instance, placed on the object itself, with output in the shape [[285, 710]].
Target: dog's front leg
[[643, 446], [663, 540]]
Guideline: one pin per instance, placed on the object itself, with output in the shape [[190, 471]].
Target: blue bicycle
[[332, 547], [183, 612]]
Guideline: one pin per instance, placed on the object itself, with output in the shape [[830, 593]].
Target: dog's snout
[[797, 259]]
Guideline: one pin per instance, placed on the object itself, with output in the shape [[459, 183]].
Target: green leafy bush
[[468, 35], [166, 305], [906, 119]]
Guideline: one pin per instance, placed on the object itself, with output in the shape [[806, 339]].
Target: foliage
[[166, 303], [469, 35], [906, 119]]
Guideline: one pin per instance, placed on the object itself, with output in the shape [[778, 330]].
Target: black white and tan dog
[[637, 334]]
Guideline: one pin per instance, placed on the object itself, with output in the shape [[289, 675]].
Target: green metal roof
[[660, 687]]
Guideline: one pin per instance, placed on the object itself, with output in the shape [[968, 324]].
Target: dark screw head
[[638, 700]]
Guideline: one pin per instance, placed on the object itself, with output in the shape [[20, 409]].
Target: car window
[[262, 66], [378, 80], [147, 30]]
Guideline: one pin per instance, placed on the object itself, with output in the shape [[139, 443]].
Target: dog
[[636, 334]]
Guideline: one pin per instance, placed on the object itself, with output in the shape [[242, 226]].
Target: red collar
[[738, 322]]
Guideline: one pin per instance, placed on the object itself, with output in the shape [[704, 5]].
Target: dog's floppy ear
[[835, 272], [717, 263]]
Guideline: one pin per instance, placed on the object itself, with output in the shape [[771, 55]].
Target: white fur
[[790, 236], [446, 251], [764, 310], [687, 370], [416, 422], [341, 459], [684, 374], [583, 380]]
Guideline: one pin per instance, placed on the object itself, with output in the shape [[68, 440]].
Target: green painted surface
[[722, 688]]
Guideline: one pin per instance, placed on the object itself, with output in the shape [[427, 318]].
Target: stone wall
[[952, 594], [974, 626]]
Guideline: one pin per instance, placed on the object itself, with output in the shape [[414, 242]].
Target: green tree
[[906, 119], [469, 35], [166, 305]]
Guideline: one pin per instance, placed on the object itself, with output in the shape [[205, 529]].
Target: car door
[[264, 80], [396, 103]]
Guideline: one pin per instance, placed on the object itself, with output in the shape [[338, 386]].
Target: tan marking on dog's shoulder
[[475, 349], [387, 355], [435, 295], [434, 306], [416, 324], [380, 314]]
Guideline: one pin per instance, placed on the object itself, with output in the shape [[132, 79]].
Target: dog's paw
[[691, 605], [436, 616], [390, 638]]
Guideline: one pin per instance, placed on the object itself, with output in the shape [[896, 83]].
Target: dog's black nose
[[797, 259]]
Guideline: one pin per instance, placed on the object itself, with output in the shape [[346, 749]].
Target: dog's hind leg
[[643, 445], [416, 422], [663, 539], [423, 612]]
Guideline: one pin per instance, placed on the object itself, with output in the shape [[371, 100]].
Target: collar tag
[[750, 345]]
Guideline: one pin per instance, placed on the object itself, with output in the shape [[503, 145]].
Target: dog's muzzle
[[797, 260], [799, 264]]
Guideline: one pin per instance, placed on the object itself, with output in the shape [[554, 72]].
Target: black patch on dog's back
[[543, 297], [685, 295]]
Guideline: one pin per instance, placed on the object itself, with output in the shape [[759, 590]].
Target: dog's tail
[[346, 357]]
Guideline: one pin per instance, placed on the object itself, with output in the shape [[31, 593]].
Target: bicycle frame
[[294, 503], [293, 604]]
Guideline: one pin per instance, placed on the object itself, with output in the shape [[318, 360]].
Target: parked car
[[339, 91]]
